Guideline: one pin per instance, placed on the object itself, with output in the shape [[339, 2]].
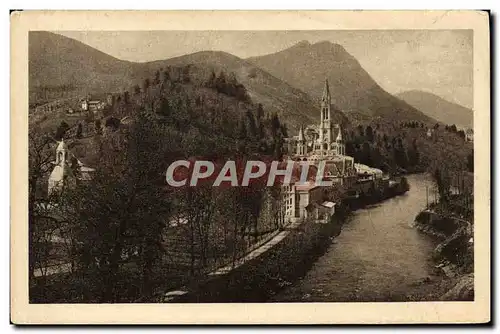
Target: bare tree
[[40, 163]]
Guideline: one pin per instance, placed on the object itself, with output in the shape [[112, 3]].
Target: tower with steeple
[[62, 170], [325, 128], [326, 139], [301, 142]]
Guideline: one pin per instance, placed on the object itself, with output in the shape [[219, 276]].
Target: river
[[378, 256]]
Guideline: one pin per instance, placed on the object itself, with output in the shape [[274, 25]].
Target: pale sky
[[436, 61]]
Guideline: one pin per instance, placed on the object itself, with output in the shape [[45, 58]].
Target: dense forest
[[409, 147]]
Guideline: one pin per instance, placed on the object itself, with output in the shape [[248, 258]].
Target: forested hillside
[[409, 147], [134, 235]]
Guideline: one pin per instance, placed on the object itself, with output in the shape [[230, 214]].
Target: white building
[[469, 135], [297, 197], [67, 170]]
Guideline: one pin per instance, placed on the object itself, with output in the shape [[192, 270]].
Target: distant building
[[84, 104], [92, 105], [469, 135], [429, 133], [109, 100]]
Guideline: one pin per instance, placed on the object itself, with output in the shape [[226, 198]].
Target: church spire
[[301, 133], [326, 94]]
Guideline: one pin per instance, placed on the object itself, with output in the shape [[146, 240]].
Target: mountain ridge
[[439, 108], [65, 66], [353, 90]]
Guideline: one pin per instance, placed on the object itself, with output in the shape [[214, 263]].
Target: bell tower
[[326, 119], [61, 169], [301, 144], [61, 154]]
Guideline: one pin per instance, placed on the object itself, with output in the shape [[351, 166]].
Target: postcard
[[250, 167]]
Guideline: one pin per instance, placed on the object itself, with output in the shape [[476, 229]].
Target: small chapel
[[67, 170], [324, 139]]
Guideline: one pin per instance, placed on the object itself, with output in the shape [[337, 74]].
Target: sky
[[436, 61]]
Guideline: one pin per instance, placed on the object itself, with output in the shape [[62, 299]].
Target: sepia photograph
[[265, 167]]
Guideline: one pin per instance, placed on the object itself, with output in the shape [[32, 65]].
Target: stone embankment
[[455, 252]]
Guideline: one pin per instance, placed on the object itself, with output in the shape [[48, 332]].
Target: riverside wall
[[280, 263], [454, 253]]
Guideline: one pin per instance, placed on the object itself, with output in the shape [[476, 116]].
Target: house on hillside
[[92, 105], [469, 135]]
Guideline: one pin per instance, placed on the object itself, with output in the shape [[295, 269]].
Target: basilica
[[323, 141]]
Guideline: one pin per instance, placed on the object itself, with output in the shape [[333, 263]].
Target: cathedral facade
[[323, 140]]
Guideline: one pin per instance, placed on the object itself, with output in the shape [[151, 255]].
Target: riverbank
[[454, 254], [278, 263], [378, 257]]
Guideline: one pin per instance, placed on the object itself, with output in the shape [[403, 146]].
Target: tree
[[126, 97], [98, 126], [61, 130], [185, 74], [275, 125], [121, 213], [220, 83], [470, 162], [242, 133], [145, 85], [166, 75], [112, 122], [252, 126], [461, 134], [156, 79], [366, 154], [39, 164], [211, 80], [443, 184], [369, 133], [361, 131], [79, 131], [260, 112], [413, 154]]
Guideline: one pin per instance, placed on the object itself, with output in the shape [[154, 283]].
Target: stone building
[[68, 170], [325, 139]]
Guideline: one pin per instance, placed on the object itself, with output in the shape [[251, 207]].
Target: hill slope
[[291, 104], [62, 67], [59, 64], [306, 66], [439, 108]]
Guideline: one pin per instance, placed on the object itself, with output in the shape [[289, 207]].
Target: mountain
[[61, 67], [438, 108], [306, 66], [58, 63], [291, 104]]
